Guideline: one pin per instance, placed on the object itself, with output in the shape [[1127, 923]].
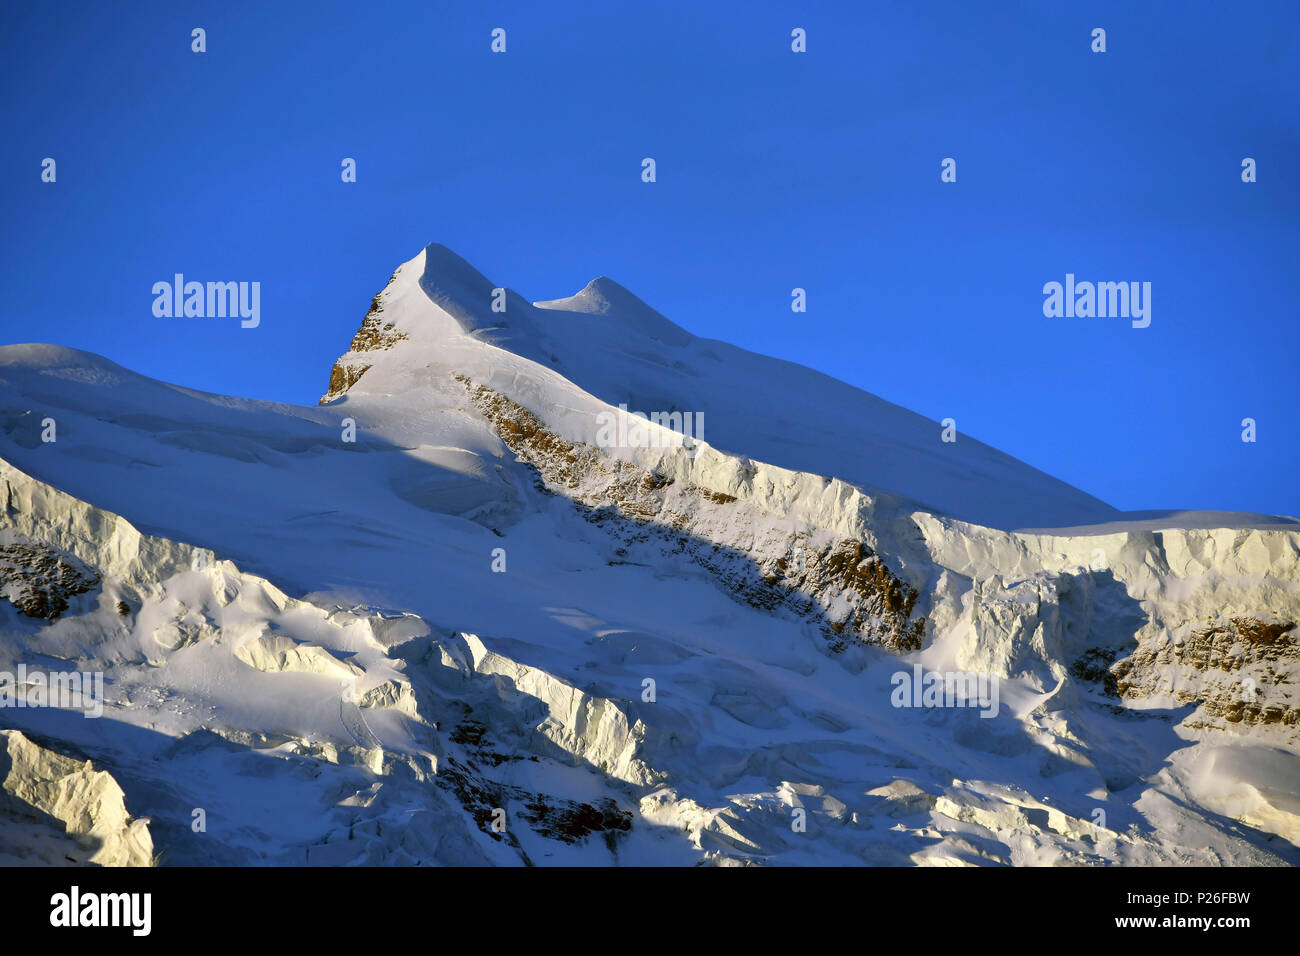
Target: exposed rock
[[376, 334], [342, 377], [1242, 670], [556, 818], [39, 580], [570, 822]]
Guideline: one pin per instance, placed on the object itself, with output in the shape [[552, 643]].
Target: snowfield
[[437, 619]]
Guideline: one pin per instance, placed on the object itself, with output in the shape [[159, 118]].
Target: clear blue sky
[[775, 170]]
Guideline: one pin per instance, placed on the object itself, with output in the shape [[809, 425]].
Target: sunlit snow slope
[[615, 347]]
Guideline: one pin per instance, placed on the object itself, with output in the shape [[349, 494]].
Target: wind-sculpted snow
[[55, 810], [591, 729], [437, 620]]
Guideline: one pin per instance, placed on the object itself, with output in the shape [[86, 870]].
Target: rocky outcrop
[[376, 334], [39, 580], [555, 818], [1241, 670], [343, 376]]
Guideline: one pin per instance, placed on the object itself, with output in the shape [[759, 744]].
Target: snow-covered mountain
[[445, 617], [438, 309]]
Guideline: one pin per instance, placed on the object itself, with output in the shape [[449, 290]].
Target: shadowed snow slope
[[371, 630]]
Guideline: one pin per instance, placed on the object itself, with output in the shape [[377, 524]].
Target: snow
[[619, 350], [344, 678]]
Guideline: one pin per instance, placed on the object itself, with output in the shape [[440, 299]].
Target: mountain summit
[[611, 346]]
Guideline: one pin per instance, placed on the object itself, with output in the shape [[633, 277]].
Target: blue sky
[[775, 170]]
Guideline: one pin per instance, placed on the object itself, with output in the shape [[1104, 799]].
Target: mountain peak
[[600, 296], [439, 317], [604, 296]]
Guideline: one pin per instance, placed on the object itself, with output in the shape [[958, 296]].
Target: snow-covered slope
[[480, 632], [618, 349]]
